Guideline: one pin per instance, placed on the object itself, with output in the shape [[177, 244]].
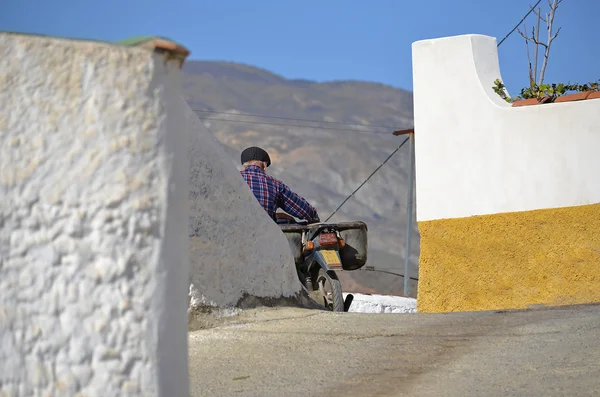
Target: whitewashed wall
[[237, 252], [475, 154], [93, 221]]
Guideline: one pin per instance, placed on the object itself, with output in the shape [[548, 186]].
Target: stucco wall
[[483, 156], [481, 166], [93, 221], [237, 252]]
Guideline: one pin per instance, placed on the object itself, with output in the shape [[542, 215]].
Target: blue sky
[[321, 40]]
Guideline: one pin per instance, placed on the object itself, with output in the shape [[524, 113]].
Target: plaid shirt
[[273, 194]]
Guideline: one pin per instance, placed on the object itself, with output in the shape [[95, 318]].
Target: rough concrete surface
[[93, 219], [298, 352], [510, 260], [236, 249]]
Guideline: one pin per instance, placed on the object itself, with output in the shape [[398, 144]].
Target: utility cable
[[373, 269], [291, 118], [519, 24], [326, 128], [369, 269], [289, 125], [366, 180]]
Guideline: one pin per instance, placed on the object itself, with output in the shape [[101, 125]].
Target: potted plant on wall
[[538, 91]]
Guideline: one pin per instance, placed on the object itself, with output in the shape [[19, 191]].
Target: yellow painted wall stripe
[[510, 260]]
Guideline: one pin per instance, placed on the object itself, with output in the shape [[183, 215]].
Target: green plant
[[545, 90]]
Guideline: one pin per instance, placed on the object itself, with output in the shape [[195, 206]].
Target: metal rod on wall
[[409, 207]]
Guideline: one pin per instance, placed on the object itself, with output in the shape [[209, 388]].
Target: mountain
[[324, 161]]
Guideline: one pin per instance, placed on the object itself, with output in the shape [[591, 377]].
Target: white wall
[[93, 221], [236, 249], [475, 154]]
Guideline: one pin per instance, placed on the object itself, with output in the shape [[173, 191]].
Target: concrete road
[[295, 352]]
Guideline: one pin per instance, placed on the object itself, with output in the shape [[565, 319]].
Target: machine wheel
[[330, 290]]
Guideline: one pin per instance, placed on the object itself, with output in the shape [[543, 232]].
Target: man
[[270, 192]]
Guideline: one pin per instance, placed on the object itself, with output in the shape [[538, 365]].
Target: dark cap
[[255, 153]]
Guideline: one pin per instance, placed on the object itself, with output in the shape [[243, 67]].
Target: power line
[[387, 272], [292, 119], [323, 128], [287, 125], [354, 192], [366, 180], [520, 22]]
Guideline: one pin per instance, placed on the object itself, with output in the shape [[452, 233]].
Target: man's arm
[[295, 205]]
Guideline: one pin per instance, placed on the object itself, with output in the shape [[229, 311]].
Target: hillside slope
[[326, 161]]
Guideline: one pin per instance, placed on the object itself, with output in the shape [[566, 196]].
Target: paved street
[[295, 352]]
